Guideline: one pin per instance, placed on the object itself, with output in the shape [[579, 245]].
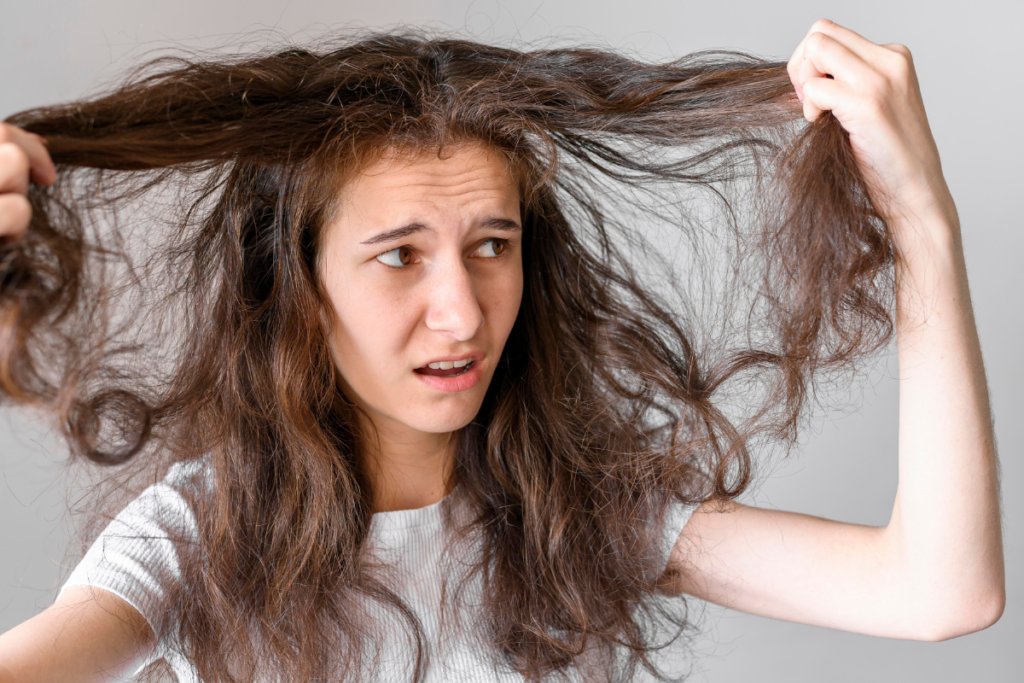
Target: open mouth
[[445, 372]]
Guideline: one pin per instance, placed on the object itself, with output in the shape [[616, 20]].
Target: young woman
[[425, 421]]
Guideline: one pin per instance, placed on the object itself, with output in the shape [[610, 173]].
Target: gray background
[[967, 60]]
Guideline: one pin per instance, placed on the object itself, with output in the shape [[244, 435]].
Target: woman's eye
[[497, 247], [396, 258]]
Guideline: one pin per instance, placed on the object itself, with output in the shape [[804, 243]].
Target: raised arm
[[89, 634], [936, 571]]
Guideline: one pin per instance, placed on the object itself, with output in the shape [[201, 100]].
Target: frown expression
[[446, 284]]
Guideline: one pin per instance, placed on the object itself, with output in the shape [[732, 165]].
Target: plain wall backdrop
[[966, 58]]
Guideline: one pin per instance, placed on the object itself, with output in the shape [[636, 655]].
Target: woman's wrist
[[932, 267], [926, 217], [928, 230]]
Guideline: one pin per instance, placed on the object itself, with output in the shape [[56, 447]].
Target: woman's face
[[423, 263]]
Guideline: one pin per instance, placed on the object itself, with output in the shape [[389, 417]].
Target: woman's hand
[[23, 158], [873, 91]]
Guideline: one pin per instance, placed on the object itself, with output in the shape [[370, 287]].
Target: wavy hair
[[607, 404]]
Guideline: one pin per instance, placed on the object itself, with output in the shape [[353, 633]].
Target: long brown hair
[[608, 402]]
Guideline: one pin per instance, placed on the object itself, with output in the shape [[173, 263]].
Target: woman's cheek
[[502, 301]]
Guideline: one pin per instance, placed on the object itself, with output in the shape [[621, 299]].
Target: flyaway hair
[[607, 403]]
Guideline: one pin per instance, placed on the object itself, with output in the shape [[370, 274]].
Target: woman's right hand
[[23, 158]]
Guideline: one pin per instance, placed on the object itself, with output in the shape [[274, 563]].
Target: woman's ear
[[328, 318], [312, 246]]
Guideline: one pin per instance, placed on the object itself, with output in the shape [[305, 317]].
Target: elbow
[[976, 614]]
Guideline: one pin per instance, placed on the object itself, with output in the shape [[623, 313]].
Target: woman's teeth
[[447, 368], [449, 364]]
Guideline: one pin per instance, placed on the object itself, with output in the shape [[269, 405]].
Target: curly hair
[[607, 403]]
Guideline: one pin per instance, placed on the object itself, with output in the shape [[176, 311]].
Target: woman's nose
[[453, 307]]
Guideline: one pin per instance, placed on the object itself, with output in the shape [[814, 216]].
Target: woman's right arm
[[89, 634]]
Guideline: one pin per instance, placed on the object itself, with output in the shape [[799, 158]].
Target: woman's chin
[[440, 419]]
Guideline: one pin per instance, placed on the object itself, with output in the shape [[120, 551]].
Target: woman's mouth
[[443, 371], [445, 377]]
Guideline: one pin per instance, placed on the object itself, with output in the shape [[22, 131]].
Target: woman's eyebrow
[[397, 233], [406, 230], [500, 224]]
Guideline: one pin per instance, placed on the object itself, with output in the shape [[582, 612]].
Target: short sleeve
[[134, 557], [676, 516]]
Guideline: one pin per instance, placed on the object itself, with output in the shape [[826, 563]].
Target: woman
[[395, 333]]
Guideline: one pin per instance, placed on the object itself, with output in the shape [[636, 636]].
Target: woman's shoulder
[[187, 475], [183, 481], [165, 508], [137, 555]]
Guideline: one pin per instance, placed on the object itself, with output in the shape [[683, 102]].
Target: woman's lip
[[461, 382]]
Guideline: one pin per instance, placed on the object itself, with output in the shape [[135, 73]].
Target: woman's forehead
[[466, 177]]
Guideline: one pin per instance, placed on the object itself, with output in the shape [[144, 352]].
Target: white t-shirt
[[134, 549]]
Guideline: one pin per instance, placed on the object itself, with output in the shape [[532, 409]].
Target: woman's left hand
[[873, 91]]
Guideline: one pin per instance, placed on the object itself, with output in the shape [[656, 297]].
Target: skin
[[455, 295], [934, 572]]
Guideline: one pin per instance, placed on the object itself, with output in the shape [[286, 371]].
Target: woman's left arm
[[936, 571]]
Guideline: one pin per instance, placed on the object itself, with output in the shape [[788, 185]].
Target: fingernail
[[800, 94]]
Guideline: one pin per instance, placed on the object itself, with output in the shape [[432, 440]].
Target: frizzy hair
[[605, 407]]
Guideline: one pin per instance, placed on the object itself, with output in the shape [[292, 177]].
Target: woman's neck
[[408, 469]]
